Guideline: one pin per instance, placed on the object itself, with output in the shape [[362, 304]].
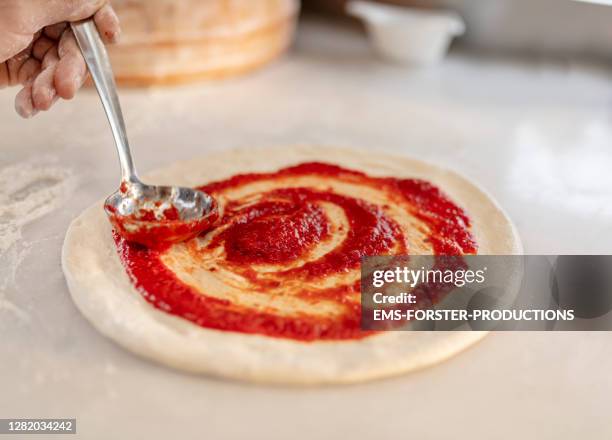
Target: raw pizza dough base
[[101, 288]]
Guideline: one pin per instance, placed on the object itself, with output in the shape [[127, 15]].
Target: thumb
[[48, 12]]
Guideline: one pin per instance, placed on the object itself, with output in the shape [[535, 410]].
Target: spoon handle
[[97, 60]]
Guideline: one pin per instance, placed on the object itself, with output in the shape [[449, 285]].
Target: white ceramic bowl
[[408, 35]]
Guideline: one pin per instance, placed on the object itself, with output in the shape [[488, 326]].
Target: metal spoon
[[154, 216]]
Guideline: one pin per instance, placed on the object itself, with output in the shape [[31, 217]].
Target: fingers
[[14, 65], [21, 19], [39, 91], [49, 12], [71, 70], [24, 105], [28, 70], [63, 73], [52, 67], [41, 47], [43, 89], [107, 23], [54, 14], [19, 69]]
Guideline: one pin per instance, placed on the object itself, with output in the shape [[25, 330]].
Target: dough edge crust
[[102, 291]]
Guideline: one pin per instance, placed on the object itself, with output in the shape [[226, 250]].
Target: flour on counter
[[28, 191]]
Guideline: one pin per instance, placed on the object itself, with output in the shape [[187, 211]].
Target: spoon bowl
[[158, 216]]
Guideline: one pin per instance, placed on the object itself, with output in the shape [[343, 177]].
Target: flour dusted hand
[[39, 52]]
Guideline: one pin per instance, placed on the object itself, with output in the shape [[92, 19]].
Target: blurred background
[[170, 41], [561, 27]]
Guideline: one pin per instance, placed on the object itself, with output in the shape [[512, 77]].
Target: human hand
[[38, 50]]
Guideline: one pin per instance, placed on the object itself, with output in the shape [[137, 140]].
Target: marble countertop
[[535, 133]]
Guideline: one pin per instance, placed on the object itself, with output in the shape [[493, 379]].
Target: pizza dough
[[176, 41], [104, 293]]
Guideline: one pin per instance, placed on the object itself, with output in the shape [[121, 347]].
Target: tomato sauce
[[284, 226]]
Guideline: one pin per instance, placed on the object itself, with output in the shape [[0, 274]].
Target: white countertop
[[536, 134]]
